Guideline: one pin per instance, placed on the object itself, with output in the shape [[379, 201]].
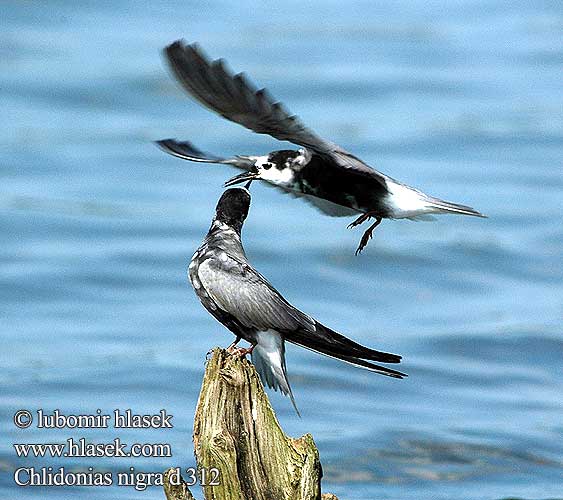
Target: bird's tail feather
[[442, 206], [330, 343], [269, 360]]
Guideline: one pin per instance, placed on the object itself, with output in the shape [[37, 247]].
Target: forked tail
[[442, 206], [330, 343]]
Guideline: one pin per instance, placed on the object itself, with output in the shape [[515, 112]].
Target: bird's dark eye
[[267, 166]]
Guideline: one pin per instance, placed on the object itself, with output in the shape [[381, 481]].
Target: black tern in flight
[[242, 300], [331, 178]]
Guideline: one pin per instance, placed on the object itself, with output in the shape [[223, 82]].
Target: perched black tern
[[331, 178], [242, 300]]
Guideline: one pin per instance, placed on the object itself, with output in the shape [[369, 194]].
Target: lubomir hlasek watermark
[[118, 419], [74, 447]]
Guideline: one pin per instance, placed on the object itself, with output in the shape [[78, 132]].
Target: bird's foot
[[233, 346], [241, 351], [360, 220], [368, 235]]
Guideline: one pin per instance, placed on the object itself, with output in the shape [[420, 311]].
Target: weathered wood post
[[236, 432]]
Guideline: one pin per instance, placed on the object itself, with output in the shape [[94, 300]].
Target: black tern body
[[243, 300], [331, 178]]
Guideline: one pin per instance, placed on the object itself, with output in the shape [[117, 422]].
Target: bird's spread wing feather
[[235, 98], [246, 294], [187, 151]]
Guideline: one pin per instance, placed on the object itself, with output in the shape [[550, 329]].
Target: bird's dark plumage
[[247, 304], [232, 208], [322, 170], [236, 99]]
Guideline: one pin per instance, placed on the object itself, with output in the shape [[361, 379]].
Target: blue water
[[461, 99]]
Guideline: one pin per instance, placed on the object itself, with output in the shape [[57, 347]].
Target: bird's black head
[[284, 158], [278, 167], [232, 207]]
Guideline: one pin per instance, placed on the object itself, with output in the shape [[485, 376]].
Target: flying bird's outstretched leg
[[368, 235], [360, 220]]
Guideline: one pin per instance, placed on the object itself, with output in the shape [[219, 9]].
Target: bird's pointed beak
[[245, 176]]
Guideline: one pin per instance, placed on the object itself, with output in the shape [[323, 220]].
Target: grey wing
[[244, 293], [325, 206], [235, 98]]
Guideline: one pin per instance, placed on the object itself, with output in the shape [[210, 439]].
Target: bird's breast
[[342, 186], [192, 270]]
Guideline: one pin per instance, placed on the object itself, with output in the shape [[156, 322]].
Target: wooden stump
[[236, 432], [176, 491]]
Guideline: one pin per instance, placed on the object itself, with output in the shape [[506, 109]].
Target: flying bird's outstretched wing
[[244, 293], [187, 151], [235, 98]]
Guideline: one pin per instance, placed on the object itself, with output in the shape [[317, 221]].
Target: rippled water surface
[[461, 99]]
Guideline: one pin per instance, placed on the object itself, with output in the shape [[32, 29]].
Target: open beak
[[245, 176]]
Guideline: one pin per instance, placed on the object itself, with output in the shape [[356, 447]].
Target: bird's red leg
[[368, 235], [232, 347], [242, 351]]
